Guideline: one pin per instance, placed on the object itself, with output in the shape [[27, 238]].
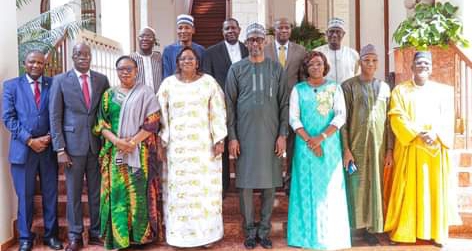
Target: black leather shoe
[[95, 240], [371, 239], [266, 243], [25, 245], [75, 245], [53, 243], [250, 243]]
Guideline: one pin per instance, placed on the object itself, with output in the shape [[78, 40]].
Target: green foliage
[[431, 25], [306, 35], [40, 33]]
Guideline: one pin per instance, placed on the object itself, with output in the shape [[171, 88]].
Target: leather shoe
[[25, 245], [53, 243], [266, 243], [95, 240], [250, 243], [75, 245]]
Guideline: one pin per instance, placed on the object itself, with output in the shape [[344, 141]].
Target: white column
[[372, 32], [249, 11], [8, 69], [117, 22], [144, 13]]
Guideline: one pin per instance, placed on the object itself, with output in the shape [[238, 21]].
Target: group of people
[[155, 147]]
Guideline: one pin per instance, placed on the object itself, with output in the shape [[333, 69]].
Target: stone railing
[[104, 54]]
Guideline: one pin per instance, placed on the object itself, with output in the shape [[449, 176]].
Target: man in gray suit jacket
[[74, 100], [290, 55]]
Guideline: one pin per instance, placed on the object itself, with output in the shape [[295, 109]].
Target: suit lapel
[[243, 50], [225, 53], [26, 88], [289, 55], [74, 82], [95, 90], [44, 92]]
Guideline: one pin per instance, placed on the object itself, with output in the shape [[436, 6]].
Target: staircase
[[233, 234], [208, 18]]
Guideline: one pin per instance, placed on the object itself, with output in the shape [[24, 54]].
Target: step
[[465, 229]]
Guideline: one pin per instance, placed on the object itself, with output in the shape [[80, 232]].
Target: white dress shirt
[[31, 82], [234, 52]]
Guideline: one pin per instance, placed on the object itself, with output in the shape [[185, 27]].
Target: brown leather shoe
[[74, 245], [95, 240]]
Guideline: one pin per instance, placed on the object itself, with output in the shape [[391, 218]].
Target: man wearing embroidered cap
[[367, 142], [343, 61], [185, 31], [422, 115], [257, 108], [149, 61]]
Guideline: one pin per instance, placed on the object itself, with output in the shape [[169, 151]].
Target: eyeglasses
[[182, 59], [125, 69], [258, 40]]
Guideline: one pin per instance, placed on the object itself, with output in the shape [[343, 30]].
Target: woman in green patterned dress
[[128, 120]]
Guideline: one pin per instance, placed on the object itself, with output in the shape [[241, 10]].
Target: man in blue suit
[[74, 100], [25, 114]]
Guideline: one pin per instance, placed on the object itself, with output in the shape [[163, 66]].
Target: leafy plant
[[431, 24], [38, 34], [306, 35]]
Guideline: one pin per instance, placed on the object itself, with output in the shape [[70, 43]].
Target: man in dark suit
[[25, 114], [216, 62], [290, 55], [74, 102]]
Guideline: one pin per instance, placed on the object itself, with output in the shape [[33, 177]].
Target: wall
[[282, 8], [397, 13], [249, 11], [117, 22], [27, 12], [8, 69], [370, 11], [163, 17]]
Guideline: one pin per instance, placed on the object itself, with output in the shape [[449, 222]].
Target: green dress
[[129, 209], [317, 214]]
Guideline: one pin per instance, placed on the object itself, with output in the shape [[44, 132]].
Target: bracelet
[[29, 142], [324, 135]]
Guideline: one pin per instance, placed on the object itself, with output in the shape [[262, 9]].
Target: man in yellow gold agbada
[[421, 116]]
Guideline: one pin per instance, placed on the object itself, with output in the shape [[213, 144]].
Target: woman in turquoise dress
[[317, 214]]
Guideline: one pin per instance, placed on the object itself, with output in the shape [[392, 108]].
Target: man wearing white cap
[[257, 108], [422, 118], [343, 61], [367, 142], [149, 61], [185, 31]]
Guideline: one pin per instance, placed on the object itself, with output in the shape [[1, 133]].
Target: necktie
[[37, 93], [85, 90], [282, 55]]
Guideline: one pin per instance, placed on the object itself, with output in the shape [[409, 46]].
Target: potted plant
[[432, 27], [306, 35]]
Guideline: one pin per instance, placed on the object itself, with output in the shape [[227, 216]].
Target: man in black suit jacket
[[216, 62]]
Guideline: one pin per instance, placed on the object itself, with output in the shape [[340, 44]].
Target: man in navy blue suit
[[26, 116]]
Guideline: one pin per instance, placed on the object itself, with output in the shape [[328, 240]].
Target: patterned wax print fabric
[[193, 121], [129, 204]]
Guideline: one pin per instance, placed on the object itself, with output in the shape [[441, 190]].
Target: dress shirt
[[89, 81], [31, 82], [234, 52]]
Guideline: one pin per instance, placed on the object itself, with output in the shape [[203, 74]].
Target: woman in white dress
[[192, 139]]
